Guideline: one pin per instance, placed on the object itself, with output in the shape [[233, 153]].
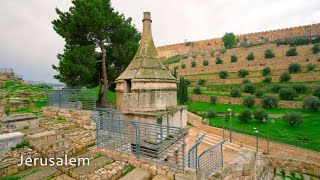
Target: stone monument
[[146, 90]]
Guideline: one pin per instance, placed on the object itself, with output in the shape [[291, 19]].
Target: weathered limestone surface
[[138, 174], [15, 122], [10, 140]]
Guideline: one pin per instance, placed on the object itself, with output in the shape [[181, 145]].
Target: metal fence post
[[76, 100], [59, 98]]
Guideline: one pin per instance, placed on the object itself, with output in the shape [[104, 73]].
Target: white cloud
[[29, 44]]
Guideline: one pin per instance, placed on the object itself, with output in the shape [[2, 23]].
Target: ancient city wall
[[257, 37]]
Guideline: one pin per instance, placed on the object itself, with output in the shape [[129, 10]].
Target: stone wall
[[80, 117], [258, 37], [16, 122], [10, 140], [226, 100]]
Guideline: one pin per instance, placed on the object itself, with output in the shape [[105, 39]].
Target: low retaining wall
[[226, 100], [81, 117], [15, 122], [10, 140]]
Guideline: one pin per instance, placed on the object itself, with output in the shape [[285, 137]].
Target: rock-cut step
[[138, 174]]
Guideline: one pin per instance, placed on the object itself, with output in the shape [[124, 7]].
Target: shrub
[[315, 48], [260, 114], [269, 101], [311, 67], [250, 56], [245, 81], [285, 77], [312, 103], [293, 118], [266, 71], [249, 101], [235, 93], [287, 93], [300, 88], [234, 58], [243, 73], [223, 74], [275, 88], [212, 52], [213, 99], [259, 93], [292, 52], [188, 82], [205, 62], [193, 63], [219, 60], [183, 66], [316, 92], [197, 90], [245, 115], [201, 81], [267, 79], [268, 53], [249, 88], [211, 113], [315, 40], [294, 68]]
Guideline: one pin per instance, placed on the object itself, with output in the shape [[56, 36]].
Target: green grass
[[111, 95], [306, 135]]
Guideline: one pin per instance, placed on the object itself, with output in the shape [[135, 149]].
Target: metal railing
[[72, 99], [156, 142], [6, 70], [211, 159], [193, 160]]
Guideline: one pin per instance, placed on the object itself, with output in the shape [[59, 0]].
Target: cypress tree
[[183, 91]]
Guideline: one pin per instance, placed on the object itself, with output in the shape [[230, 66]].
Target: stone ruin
[[146, 90]]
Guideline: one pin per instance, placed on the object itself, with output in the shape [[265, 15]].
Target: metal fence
[[6, 70], [72, 99], [211, 159], [156, 142], [193, 160]]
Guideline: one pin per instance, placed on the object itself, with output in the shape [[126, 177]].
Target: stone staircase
[[212, 139]]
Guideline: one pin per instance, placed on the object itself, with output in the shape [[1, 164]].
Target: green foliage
[[201, 81], [183, 91], [229, 40], [175, 72], [311, 67], [223, 74], [249, 101], [315, 48], [268, 54], [249, 88], [250, 56], [267, 79], [284, 77], [197, 90], [234, 58], [269, 101], [193, 63], [287, 93], [315, 40], [312, 103], [235, 92], [294, 68], [259, 93], [213, 99], [292, 52], [245, 81], [188, 82], [243, 73], [316, 92], [205, 62], [212, 52], [211, 113], [266, 71], [219, 60], [293, 118], [7, 112], [300, 88], [183, 66], [175, 59], [260, 114], [245, 115], [275, 88]]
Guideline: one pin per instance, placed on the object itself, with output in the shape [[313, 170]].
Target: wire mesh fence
[[6, 70], [211, 159], [156, 142], [72, 99]]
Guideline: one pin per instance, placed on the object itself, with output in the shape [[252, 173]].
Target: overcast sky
[[29, 45]]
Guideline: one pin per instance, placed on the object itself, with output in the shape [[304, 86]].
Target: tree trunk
[[104, 75]]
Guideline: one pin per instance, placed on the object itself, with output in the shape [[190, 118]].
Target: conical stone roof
[[146, 65]]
